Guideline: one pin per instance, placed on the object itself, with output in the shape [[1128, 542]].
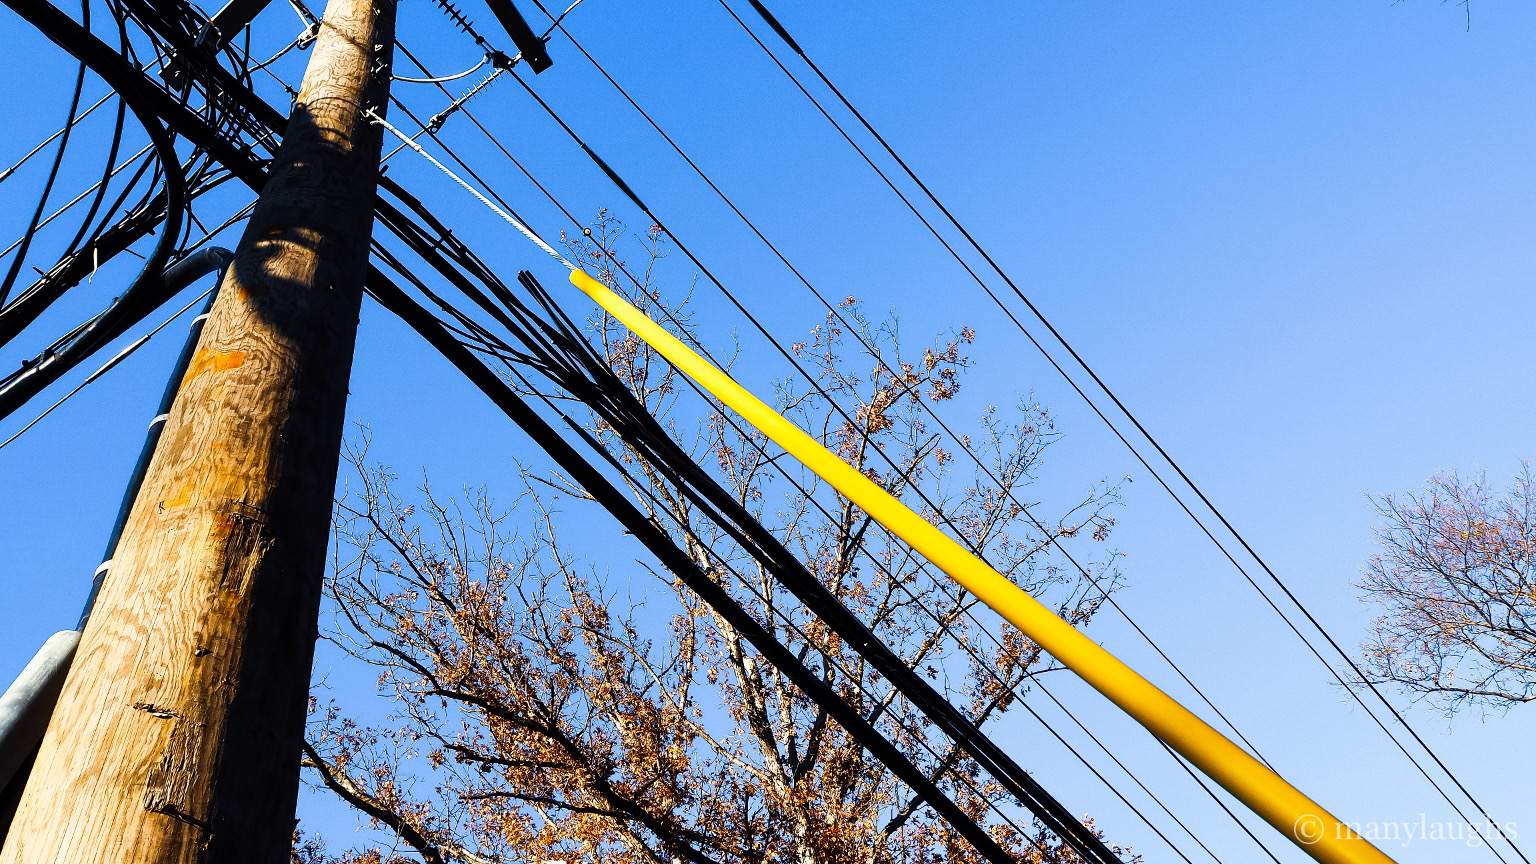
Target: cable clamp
[[102, 568], [160, 419]]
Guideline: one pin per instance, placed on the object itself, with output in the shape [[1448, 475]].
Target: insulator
[[436, 123], [458, 18]]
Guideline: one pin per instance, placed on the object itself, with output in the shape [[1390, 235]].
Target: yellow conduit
[[1293, 814]]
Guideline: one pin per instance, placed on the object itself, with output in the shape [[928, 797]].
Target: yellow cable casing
[[1291, 813]]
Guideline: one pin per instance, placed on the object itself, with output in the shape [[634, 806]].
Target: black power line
[[629, 192], [760, 447], [53, 173], [677, 561], [249, 172], [599, 162], [779, 29], [617, 406], [833, 309], [113, 69], [131, 82], [429, 129], [477, 338]]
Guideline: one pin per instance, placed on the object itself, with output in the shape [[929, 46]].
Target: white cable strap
[[524, 229], [159, 418], [103, 567]]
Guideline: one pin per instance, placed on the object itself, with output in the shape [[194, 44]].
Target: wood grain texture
[[178, 733]]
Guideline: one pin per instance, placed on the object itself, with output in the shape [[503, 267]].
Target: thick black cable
[[904, 725], [620, 409], [123, 77], [642, 432], [496, 348], [485, 342], [1242, 541], [832, 309], [677, 561], [758, 445], [106, 176], [142, 297], [646, 434], [101, 330], [628, 191], [107, 171], [235, 168], [64, 32], [42, 199]]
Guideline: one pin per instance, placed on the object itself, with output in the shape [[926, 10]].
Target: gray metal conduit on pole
[[152, 437], [28, 703], [24, 712]]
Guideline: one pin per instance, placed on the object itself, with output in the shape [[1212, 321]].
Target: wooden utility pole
[[177, 735]]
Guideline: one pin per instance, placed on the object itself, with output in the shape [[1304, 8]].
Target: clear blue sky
[[1297, 239]]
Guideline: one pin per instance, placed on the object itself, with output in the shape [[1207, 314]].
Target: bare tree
[[1456, 580], [557, 701]]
